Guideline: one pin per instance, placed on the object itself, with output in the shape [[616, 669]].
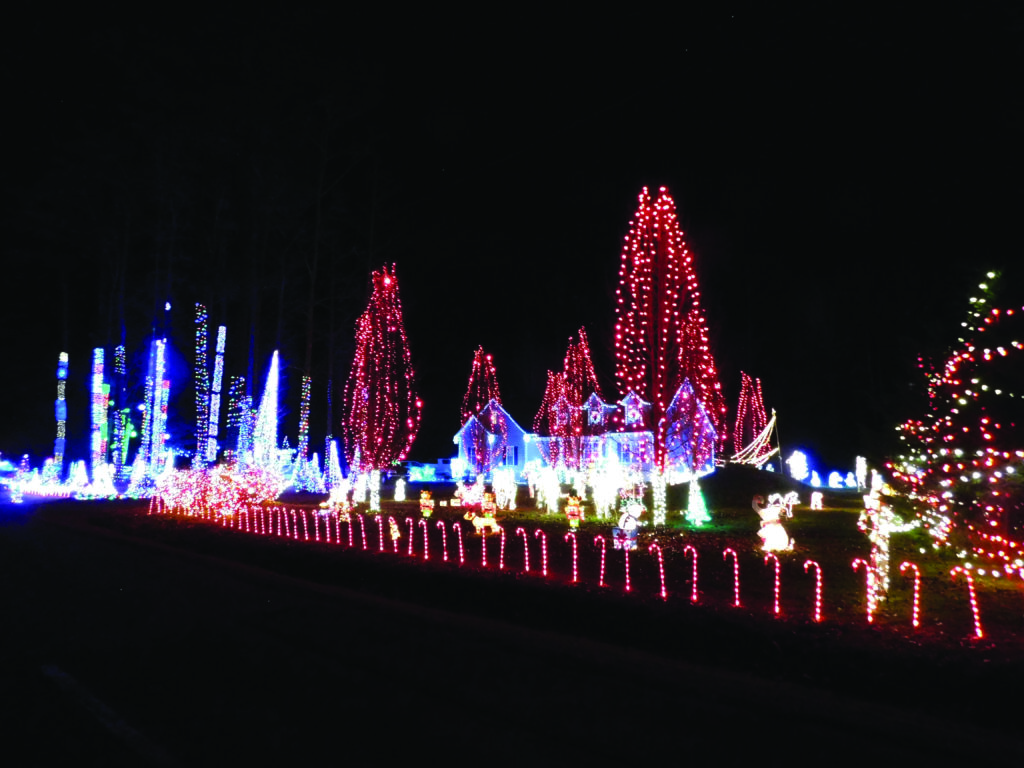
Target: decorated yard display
[[879, 522], [624, 536], [381, 407], [774, 537], [574, 512], [426, 503]]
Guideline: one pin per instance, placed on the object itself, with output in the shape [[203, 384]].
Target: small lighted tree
[[482, 387], [696, 508], [381, 408]]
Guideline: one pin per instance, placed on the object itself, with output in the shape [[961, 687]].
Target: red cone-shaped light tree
[[483, 385], [661, 336], [381, 408]]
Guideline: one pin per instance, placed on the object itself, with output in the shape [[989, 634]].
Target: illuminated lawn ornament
[[526, 548], [481, 523], [396, 533], [774, 537], [869, 576], [661, 568], [504, 484], [571, 538], [489, 506], [696, 509], [444, 539], [426, 503], [61, 410], [771, 556], [735, 574], [974, 600], [457, 527], [381, 408], [835, 480], [604, 551], [798, 468], [915, 617], [659, 496], [501, 552], [540, 534], [374, 485], [817, 587], [625, 535], [692, 553], [879, 522], [815, 479], [574, 512], [426, 538], [817, 498], [380, 532], [264, 442]]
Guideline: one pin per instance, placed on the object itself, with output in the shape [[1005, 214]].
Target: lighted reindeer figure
[[485, 520], [774, 537]]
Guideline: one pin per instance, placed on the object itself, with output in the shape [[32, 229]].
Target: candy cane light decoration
[[393, 527], [771, 556], [974, 600], [426, 538], [661, 568], [458, 535], [444, 540], [691, 552], [915, 616], [604, 549], [520, 531], [817, 587], [539, 534], [870, 578], [735, 574], [571, 537]]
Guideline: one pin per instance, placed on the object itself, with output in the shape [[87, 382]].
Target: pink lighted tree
[[661, 335], [381, 408], [483, 385], [751, 418]]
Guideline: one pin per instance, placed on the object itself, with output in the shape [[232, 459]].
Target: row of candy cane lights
[[281, 521]]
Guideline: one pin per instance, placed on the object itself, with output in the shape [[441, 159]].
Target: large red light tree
[[661, 335], [381, 408], [482, 387]]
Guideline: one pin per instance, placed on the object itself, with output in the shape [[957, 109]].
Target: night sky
[[842, 180]]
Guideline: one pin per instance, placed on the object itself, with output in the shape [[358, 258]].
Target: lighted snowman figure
[[624, 537], [774, 537]]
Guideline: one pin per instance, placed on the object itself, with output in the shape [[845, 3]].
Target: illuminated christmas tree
[[483, 385], [561, 410], [661, 336], [751, 418], [696, 508], [381, 408], [965, 457]]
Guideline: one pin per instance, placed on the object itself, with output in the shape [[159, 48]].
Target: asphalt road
[[123, 651]]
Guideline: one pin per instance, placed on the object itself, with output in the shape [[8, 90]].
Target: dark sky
[[843, 180]]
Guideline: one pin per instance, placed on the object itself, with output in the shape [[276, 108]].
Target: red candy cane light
[[817, 587], [661, 568], [444, 540], [771, 556], [870, 578], [543, 551], [604, 550], [393, 527], [974, 600], [426, 538], [409, 525], [520, 531], [458, 535], [501, 552], [571, 537], [689, 550], [915, 616], [735, 574], [380, 532]]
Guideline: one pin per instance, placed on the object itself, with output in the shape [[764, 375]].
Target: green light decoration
[[696, 508]]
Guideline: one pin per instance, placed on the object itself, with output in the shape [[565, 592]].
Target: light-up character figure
[[489, 507], [624, 536], [400, 489], [426, 503], [879, 522], [817, 500], [774, 537], [574, 511]]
